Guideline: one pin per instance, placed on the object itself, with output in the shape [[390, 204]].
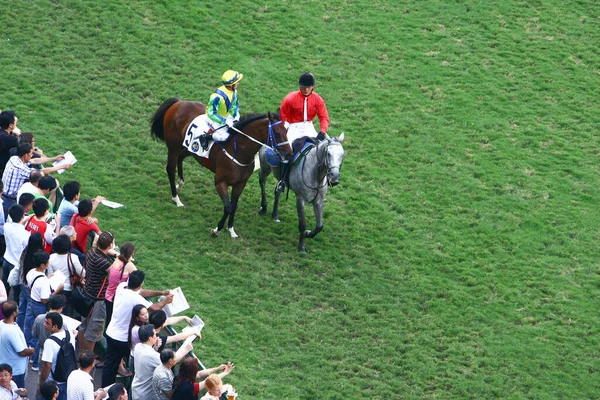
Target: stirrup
[[280, 186]]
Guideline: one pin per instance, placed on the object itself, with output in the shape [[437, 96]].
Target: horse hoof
[[214, 232], [232, 233], [302, 250], [262, 210], [307, 233], [177, 201], [276, 219]]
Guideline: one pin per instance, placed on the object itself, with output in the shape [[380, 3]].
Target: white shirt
[[16, 240], [146, 359], [51, 349], [27, 188], [125, 300], [41, 287], [59, 262], [11, 394], [80, 386]]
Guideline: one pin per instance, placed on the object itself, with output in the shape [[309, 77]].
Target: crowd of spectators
[[66, 287]]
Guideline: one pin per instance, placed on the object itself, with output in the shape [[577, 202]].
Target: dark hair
[[35, 176], [48, 389], [85, 207], [135, 315], [39, 258], [61, 244], [126, 251], [26, 137], [16, 213], [35, 244], [6, 118], [47, 183], [26, 199], [24, 148], [9, 307], [57, 302], [56, 319], [86, 358], [136, 278], [6, 367], [166, 355], [105, 240], [158, 318], [145, 333], [40, 206], [71, 189], [1, 185], [187, 372], [116, 390]]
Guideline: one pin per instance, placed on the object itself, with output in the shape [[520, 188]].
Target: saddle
[[300, 147]]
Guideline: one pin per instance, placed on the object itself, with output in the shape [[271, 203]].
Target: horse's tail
[[157, 129]]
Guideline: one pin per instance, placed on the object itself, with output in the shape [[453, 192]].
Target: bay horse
[[232, 161], [309, 179]]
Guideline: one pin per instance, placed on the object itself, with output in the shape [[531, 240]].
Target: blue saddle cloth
[[274, 160]]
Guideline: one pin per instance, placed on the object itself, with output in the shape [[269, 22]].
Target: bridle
[[324, 161], [271, 143]]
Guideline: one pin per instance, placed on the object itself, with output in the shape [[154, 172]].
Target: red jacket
[[292, 109]]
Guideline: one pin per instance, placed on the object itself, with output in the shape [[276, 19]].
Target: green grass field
[[460, 253]]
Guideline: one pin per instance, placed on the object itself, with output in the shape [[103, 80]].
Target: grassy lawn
[[460, 253]]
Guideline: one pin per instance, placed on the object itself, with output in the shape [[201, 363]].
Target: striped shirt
[[96, 264], [15, 175], [80, 386]]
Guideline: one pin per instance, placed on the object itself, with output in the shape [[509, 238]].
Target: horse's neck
[[321, 159]]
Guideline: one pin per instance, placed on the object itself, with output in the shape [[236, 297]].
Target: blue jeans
[[34, 308], [19, 380], [23, 300]]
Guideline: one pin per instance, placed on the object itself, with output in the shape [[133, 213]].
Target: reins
[[270, 139]]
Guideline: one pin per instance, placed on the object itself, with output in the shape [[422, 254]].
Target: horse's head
[[278, 137], [335, 157]]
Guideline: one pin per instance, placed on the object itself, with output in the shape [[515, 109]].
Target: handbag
[[83, 303], [75, 279], [13, 276]]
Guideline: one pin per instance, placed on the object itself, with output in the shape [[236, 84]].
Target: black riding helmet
[[306, 80]]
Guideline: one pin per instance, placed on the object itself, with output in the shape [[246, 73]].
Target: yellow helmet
[[231, 77]]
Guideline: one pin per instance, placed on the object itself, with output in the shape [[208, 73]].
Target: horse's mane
[[249, 118]]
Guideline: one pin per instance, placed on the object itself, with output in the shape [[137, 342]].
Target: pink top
[[114, 279]]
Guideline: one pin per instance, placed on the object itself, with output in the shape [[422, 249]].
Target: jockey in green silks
[[223, 106]]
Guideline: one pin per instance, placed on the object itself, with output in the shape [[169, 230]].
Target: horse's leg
[[301, 222], [318, 208], [180, 159], [171, 166], [265, 171], [236, 192], [275, 213], [224, 195]]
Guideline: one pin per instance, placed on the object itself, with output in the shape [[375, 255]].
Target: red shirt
[[83, 228], [33, 225], [292, 109]]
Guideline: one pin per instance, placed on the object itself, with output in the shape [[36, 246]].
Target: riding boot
[[283, 178], [204, 139]]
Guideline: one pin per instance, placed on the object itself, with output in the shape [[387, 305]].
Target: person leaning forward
[[223, 106], [297, 111]]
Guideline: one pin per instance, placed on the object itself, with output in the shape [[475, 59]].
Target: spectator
[[8, 140], [2, 221], [146, 361], [26, 264], [40, 291], [54, 325], [68, 206], [62, 260], [119, 272], [128, 294], [84, 224], [26, 201], [47, 190], [16, 241], [215, 387], [49, 390], [38, 224], [159, 320], [32, 185], [17, 172], [57, 305], [97, 263], [8, 387], [139, 317], [79, 384], [162, 379], [13, 348], [70, 232], [3, 298], [117, 392]]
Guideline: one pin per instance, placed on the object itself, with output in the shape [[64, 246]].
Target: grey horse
[[309, 179]]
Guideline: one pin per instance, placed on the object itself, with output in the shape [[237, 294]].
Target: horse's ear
[[341, 138], [269, 115]]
